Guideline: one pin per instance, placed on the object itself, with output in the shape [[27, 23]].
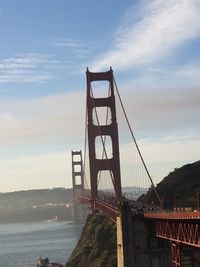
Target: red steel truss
[[176, 257], [181, 231], [178, 228]]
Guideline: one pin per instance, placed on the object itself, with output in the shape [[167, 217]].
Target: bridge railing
[[101, 206], [105, 208], [173, 215]]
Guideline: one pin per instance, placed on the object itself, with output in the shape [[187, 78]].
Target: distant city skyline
[[46, 47]]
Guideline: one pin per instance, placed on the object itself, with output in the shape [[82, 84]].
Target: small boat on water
[[55, 219], [45, 263]]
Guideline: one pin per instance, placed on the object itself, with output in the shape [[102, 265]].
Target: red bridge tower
[[111, 130]]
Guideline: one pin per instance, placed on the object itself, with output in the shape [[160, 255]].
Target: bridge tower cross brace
[[111, 164]]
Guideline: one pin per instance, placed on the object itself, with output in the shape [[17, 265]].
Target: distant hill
[[35, 197], [133, 192], [35, 205], [130, 192], [178, 188]]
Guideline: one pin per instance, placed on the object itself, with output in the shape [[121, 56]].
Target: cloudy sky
[[46, 46]]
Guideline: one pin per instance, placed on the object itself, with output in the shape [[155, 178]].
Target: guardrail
[[107, 209], [102, 207], [173, 215]]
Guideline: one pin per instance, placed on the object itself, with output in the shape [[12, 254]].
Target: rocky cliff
[[97, 245]]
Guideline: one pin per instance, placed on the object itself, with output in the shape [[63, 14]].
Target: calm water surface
[[21, 244]]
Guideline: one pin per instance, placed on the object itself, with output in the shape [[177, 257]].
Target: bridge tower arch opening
[[96, 130]]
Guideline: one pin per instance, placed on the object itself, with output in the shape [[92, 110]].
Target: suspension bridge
[[111, 180]]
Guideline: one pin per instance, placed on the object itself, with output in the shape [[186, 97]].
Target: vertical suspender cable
[[134, 139]]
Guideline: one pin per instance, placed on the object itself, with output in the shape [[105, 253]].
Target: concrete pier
[[143, 249]]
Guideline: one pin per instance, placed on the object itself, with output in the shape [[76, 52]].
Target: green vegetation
[[178, 189], [97, 245]]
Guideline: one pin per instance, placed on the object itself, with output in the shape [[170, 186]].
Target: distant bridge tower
[[111, 130], [78, 184]]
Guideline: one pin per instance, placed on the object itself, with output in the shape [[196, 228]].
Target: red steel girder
[[102, 207], [185, 232], [176, 257], [173, 215]]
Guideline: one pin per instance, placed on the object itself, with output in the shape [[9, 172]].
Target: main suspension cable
[[134, 139]]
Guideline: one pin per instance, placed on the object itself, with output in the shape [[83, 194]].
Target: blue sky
[[46, 46]]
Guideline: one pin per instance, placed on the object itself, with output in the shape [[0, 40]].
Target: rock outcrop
[[97, 245]]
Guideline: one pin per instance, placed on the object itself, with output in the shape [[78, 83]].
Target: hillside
[[178, 188], [35, 205], [97, 245]]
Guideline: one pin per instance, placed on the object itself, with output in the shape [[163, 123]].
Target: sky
[[46, 46]]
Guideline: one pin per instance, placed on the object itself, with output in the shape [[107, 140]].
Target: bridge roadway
[[181, 227]]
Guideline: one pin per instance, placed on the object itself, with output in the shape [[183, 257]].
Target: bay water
[[22, 243]]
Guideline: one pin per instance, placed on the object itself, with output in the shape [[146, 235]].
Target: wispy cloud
[[30, 67], [161, 111], [80, 50], [66, 42], [190, 71], [49, 119], [187, 74], [162, 26], [55, 119]]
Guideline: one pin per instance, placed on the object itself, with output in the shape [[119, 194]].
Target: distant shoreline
[[36, 205]]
